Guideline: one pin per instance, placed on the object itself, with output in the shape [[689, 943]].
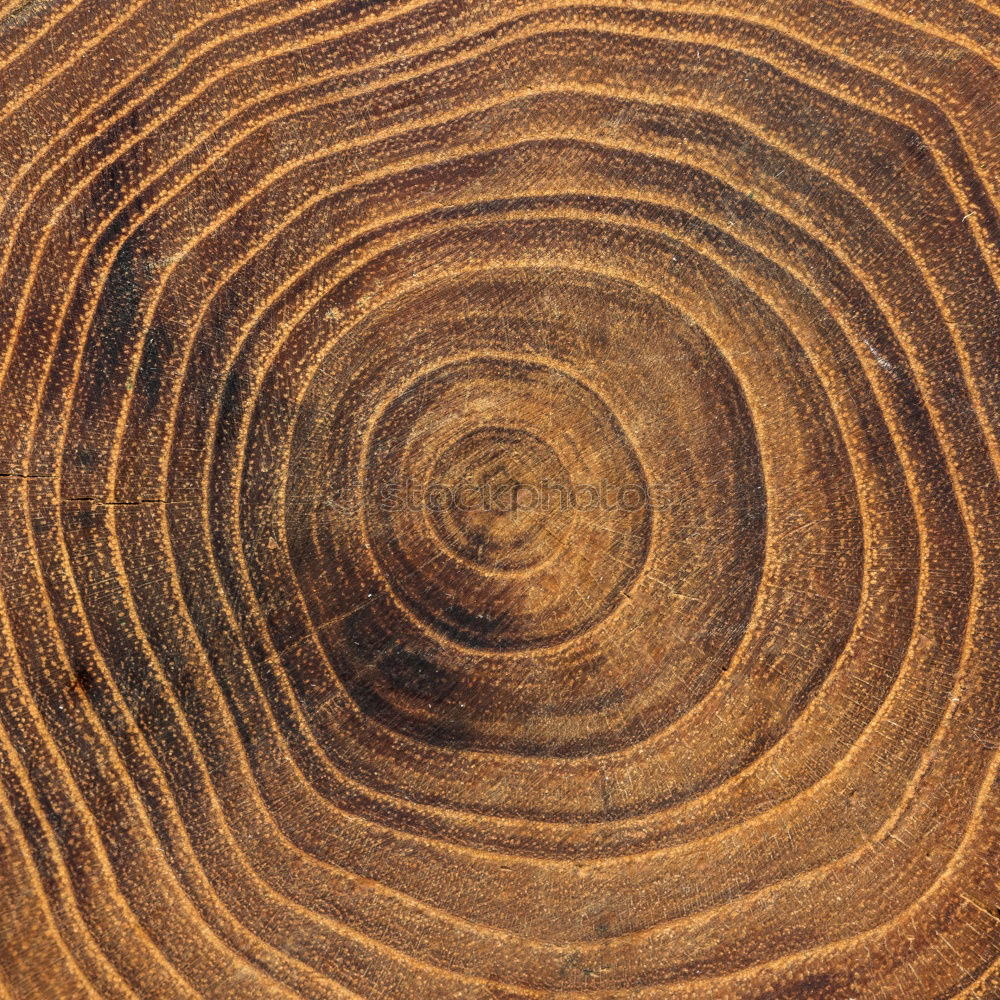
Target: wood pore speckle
[[499, 500]]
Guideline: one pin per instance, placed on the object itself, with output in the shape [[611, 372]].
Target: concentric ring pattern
[[499, 500]]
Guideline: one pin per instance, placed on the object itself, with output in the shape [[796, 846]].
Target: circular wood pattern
[[499, 499]]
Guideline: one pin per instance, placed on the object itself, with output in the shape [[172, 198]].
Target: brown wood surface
[[297, 701]]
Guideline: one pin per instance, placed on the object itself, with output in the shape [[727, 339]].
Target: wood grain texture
[[292, 292]]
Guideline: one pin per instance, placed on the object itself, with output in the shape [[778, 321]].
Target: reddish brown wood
[[499, 500]]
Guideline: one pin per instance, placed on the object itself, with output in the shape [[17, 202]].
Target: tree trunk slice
[[499, 500]]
